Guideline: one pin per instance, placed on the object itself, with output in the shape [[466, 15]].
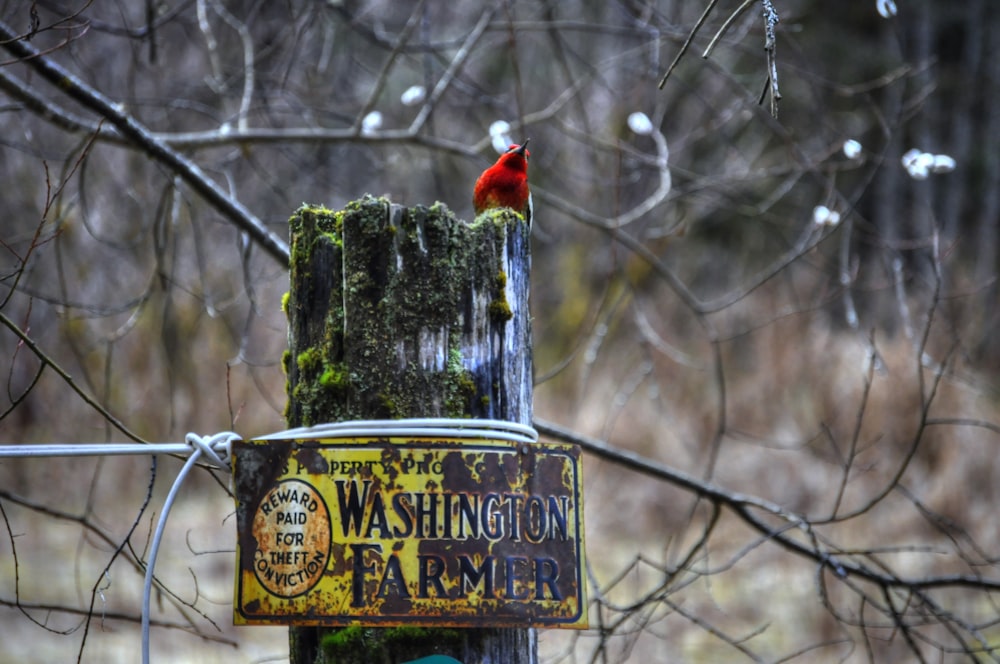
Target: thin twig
[[770, 21], [725, 26], [136, 132], [68, 379], [687, 42], [744, 506]]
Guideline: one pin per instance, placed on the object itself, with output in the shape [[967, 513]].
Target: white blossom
[[852, 149], [500, 127], [371, 123], [942, 163], [824, 216], [918, 171], [922, 166], [500, 136], [886, 8], [820, 213], [413, 95], [919, 165], [640, 123], [909, 157]]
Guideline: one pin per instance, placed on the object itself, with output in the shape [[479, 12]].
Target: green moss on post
[[407, 312], [362, 645]]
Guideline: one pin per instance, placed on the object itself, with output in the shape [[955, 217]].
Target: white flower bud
[[371, 123], [920, 166], [910, 156], [885, 8], [821, 214], [413, 95], [942, 163], [500, 136], [640, 123], [501, 127], [852, 149]]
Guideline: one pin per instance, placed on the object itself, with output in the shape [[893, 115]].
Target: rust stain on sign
[[389, 531]]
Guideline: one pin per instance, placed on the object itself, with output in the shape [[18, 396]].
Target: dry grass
[[890, 450]]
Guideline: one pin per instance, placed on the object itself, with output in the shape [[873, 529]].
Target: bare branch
[[116, 115]]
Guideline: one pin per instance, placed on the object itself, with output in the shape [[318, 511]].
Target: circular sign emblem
[[292, 529]]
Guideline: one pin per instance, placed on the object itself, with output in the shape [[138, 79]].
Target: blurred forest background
[[783, 310]]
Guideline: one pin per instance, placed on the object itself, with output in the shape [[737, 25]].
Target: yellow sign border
[[507, 547]]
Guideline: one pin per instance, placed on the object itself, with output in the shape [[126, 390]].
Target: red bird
[[505, 183]]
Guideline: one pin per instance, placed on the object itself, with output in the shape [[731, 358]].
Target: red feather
[[505, 183]]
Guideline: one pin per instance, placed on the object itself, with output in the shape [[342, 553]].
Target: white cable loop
[[433, 427], [216, 449], [221, 443], [218, 443], [209, 446]]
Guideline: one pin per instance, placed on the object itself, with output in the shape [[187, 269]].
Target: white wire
[[91, 449], [207, 446], [217, 448], [436, 427]]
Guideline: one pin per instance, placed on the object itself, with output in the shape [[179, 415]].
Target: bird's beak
[[522, 147]]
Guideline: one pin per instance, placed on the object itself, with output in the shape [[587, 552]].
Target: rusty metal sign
[[392, 531]]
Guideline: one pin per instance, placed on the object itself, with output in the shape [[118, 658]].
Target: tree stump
[[408, 312]]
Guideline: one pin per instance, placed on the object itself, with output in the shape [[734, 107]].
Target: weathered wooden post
[[397, 313]]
